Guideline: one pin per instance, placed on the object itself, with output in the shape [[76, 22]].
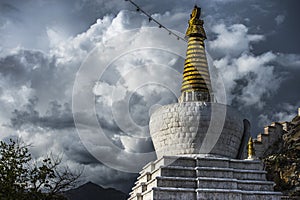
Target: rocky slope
[[283, 162]]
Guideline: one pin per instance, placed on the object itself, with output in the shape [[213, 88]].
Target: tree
[[22, 178]]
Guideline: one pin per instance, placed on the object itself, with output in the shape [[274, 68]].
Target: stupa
[[200, 143]]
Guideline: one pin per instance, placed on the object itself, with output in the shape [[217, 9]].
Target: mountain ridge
[[92, 191]]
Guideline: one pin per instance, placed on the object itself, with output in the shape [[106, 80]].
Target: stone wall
[[264, 143], [272, 134], [196, 128]]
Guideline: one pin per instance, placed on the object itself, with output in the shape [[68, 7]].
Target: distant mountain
[[92, 191]]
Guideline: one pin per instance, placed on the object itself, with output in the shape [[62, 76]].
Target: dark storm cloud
[[57, 116], [27, 65], [6, 8], [80, 155], [108, 125], [8, 13], [240, 85], [280, 37]]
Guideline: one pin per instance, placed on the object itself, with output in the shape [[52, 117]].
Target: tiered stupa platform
[[195, 177]]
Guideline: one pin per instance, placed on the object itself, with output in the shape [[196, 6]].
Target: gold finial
[[196, 24], [196, 84], [251, 150]]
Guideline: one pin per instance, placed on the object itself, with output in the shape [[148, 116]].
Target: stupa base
[[195, 177]]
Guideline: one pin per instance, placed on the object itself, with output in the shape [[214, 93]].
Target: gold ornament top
[[196, 83], [196, 24], [251, 151]]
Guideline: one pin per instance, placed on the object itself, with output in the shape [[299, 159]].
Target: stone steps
[[194, 178], [177, 171], [168, 193], [223, 183], [229, 194], [176, 182], [217, 172], [206, 183], [218, 183]]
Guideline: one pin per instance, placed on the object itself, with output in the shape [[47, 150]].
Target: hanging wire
[[139, 9]]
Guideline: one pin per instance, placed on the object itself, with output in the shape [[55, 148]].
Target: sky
[[80, 78]]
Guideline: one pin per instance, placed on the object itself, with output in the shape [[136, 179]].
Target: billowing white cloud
[[248, 78], [232, 40]]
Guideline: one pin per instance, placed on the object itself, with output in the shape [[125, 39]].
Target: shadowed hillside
[[91, 191], [283, 164]]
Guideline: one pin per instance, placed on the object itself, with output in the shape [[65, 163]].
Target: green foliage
[[21, 178], [13, 172]]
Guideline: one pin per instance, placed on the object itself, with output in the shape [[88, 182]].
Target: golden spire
[[196, 85], [251, 150]]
